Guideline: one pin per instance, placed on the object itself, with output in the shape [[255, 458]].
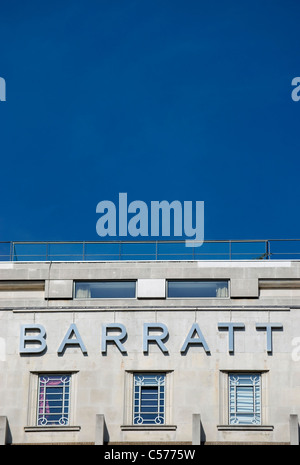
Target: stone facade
[[264, 298]]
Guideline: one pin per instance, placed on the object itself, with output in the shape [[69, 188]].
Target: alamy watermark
[[2, 90], [186, 219], [296, 92]]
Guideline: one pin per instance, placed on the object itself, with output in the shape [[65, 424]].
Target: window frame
[[33, 401], [128, 410], [95, 281], [224, 407], [221, 280], [233, 403], [44, 398], [143, 383]]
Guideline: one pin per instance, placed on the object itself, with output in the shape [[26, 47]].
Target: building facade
[[168, 352]]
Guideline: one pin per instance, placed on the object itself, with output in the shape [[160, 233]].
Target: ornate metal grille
[[149, 399], [245, 398], [53, 400]]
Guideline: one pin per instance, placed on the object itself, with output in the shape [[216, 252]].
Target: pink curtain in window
[[51, 382]]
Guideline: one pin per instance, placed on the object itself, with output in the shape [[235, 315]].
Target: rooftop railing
[[269, 249]]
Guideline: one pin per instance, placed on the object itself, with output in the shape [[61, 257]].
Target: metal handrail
[[234, 249]]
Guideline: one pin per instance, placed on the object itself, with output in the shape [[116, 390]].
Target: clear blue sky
[[164, 100]]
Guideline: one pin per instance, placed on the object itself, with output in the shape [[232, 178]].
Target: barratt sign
[[33, 337]]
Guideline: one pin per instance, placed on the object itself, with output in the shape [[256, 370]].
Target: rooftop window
[[197, 289], [105, 289]]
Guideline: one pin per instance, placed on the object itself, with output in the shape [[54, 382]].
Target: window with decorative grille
[[149, 399], [53, 400], [245, 398]]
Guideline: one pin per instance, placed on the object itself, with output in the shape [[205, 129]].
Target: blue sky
[[165, 100]]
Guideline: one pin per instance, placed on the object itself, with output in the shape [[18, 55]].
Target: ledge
[[245, 427], [148, 427], [41, 429]]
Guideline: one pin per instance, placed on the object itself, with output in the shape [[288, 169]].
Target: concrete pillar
[[196, 429], [294, 430], [101, 432], [3, 430]]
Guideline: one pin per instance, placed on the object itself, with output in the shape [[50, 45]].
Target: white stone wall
[[196, 381]]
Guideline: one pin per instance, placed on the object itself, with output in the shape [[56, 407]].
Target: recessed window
[[149, 399], [244, 399], [105, 289], [197, 289], [53, 407], [22, 289]]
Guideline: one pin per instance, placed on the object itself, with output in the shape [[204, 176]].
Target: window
[[53, 407], [149, 399], [245, 398], [105, 289], [195, 289], [22, 289]]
